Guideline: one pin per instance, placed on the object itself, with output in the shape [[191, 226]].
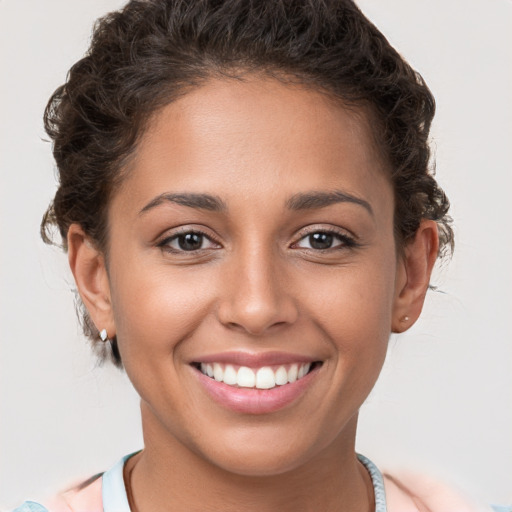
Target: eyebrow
[[200, 201], [301, 201], [313, 200]]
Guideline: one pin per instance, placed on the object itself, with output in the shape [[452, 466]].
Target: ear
[[413, 275], [88, 266]]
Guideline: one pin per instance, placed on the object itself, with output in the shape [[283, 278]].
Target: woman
[[246, 202]]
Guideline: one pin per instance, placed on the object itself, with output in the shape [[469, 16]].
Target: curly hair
[[147, 54]]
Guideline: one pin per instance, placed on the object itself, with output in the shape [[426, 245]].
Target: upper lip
[[254, 360]]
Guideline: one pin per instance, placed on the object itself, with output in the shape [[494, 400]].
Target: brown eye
[[321, 240], [324, 240], [188, 241]]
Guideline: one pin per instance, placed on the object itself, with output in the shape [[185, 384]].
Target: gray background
[[443, 404]]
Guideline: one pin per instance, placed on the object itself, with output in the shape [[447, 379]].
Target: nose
[[256, 293]]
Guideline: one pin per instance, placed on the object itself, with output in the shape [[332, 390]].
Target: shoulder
[[84, 497], [30, 506], [408, 492]]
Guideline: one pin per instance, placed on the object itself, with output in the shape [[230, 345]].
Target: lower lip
[[255, 401]]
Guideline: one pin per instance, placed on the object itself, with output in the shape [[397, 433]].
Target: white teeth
[[245, 377], [230, 375], [263, 378], [218, 372], [207, 369], [303, 370], [293, 373], [281, 376]]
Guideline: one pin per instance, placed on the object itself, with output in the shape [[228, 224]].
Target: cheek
[[157, 307], [354, 308], [357, 300]]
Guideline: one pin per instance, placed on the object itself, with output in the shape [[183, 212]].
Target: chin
[[259, 463], [264, 451]]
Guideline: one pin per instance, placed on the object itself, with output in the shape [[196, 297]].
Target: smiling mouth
[[265, 377]]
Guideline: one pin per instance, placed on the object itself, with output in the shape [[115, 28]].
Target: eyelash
[[165, 243], [347, 242]]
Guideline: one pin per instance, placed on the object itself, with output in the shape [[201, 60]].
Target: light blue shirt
[[115, 498]]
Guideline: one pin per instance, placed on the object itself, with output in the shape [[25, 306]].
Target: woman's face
[[253, 237]]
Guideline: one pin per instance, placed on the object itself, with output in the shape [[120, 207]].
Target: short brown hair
[[150, 52]]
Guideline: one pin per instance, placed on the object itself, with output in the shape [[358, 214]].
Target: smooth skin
[[255, 281]]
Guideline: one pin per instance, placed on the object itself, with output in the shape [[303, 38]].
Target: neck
[[167, 475]]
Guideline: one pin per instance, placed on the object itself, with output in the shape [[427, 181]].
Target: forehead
[[257, 138]]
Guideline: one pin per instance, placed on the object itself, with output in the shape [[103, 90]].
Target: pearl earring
[[405, 319], [103, 335]]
